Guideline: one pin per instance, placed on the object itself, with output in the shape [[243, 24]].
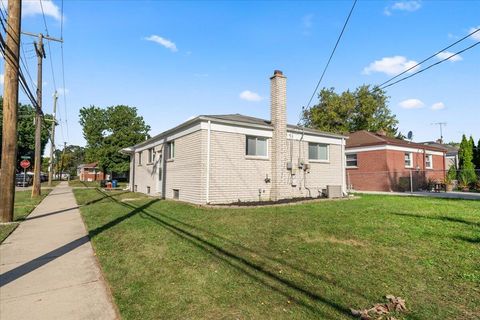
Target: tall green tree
[[26, 131], [365, 108], [477, 155], [465, 155], [109, 130]]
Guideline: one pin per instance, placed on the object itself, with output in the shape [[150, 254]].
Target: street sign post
[[24, 164]]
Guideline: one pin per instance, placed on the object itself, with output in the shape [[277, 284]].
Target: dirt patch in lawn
[[332, 239]]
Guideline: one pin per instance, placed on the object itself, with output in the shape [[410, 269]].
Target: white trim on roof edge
[[390, 147]]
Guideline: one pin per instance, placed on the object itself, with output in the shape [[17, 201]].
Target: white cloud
[[162, 41], [32, 8], [390, 65], [307, 21], [2, 78], [250, 96], [445, 54], [410, 6], [475, 36], [411, 104], [438, 106]]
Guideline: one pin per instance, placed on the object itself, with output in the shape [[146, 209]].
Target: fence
[[409, 180]]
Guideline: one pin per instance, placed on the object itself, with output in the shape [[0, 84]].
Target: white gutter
[[208, 162]]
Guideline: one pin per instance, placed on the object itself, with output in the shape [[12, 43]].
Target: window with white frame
[[256, 146], [318, 151], [408, 160], [429, 161], [351, 159], [171, 150], [151, 155], [140, 158]]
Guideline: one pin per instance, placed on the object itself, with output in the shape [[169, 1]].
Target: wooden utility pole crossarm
[[10, 105]]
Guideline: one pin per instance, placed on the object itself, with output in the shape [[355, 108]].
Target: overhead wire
[[430, 66], [428, 58], [64, 94], [332, 53]]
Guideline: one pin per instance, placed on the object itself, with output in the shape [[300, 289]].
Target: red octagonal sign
[[24, 164]]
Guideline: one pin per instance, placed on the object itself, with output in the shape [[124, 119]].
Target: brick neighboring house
[[230, 158], [376, 162], [451, 156], [89, 172]]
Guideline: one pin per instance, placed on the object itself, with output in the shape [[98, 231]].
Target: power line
[[430, 57], [63, 78], [333, 52], [48, 44], [430, 66]]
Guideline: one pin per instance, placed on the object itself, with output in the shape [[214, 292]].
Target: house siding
[[184, 173], [236, 177]]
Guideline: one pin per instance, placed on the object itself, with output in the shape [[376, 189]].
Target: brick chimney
[[278, 116]]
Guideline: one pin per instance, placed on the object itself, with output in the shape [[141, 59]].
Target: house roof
[[88, 165], [365, 138], [258, 121], [235, 118], [451, 150]]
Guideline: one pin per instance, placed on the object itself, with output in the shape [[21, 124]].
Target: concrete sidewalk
[[47, 266]]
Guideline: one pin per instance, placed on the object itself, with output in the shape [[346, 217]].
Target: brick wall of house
[[384, 170], [371, 173], [87, 175]]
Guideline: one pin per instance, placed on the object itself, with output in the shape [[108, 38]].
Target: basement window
[[351, 160], [318, 152], [135, 188], [256, 146], [176, 194], [148, 190]]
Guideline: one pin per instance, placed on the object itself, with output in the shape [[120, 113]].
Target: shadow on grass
[[473, 240], [20, 271], [441, 218], [254, 270]]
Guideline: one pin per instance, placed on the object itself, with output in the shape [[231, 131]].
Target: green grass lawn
[[170, 260], [24, 204]]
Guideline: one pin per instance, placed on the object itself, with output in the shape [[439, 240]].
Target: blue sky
[[175, 60]]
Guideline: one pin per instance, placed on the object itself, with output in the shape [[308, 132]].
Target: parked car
[[23, 180]]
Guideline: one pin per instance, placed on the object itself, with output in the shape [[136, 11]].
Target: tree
[[69, 160], [476, 155], [362, 109], [465, 155], [26, 131], [107, 131]]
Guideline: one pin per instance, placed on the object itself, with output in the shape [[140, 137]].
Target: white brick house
[[230, 158]]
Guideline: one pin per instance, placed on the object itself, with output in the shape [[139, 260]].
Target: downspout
[[132, 182], [344, 189], [207, 197]]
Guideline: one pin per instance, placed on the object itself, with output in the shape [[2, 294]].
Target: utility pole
[[63, 156], [39, 49], [10, 108], [440, 124], [52, 139]]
